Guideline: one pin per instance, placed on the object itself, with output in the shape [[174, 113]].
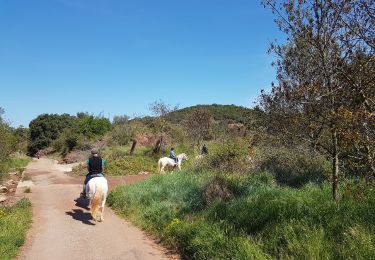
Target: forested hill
[[233, 113]]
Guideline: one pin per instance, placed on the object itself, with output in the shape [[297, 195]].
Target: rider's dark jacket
[[95, 165]]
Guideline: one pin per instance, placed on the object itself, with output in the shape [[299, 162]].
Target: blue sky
[[117, 56]]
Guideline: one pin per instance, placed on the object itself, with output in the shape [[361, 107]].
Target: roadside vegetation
[[13, 143], [224, 216], [14, 222], [292, 178]]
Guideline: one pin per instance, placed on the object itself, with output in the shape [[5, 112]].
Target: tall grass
[[14, 222], [13, 163], [251, 217]]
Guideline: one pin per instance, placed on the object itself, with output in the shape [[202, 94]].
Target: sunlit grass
[[251, 218], [14, 222]]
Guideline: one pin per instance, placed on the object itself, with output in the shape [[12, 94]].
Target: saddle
[[95, 175]]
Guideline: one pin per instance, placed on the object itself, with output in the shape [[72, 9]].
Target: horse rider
[[204, 150], [95, 167], [172, 155]]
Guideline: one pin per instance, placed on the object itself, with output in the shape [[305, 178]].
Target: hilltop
[[218, 112]]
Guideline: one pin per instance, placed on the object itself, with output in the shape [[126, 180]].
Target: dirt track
[[62, 227]]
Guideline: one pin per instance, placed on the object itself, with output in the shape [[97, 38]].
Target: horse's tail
[[159, 162], [96, 201]]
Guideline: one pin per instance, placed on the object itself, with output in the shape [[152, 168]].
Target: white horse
[[166, 161], [97, 189]]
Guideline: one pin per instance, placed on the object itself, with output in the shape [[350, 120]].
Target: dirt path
[[62, 227]]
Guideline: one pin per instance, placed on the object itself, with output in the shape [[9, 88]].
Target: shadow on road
[[78, 214], [82, 203]]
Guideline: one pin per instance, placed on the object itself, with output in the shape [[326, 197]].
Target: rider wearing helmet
[[95, 167]]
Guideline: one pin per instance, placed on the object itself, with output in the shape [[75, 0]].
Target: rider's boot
[[83, 194]]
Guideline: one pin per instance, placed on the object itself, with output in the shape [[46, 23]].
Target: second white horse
[[166, 161]]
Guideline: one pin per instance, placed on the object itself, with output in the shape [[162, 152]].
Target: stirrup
[[82, 195]]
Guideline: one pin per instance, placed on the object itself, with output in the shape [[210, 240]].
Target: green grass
[[259, 220], [13, 163], [119, 162], [14, 222]]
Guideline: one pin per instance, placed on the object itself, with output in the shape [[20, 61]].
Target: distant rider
[[172, 155], [95, 168], [204, 150]]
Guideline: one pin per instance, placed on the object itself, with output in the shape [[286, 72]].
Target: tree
[[312, 68], [199, 124], [160, 111], [46, 128], [120, 120], [91, 126], [7, 140]]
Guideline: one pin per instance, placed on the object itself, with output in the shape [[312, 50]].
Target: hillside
[[232, 113]]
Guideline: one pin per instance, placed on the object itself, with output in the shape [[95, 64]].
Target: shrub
[[216, 189], [66, 142], [122, 134], [91, 126], [115, 153], [229, 156], [294, 168]]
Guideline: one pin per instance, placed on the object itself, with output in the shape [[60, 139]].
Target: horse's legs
[[102, 209], [162, 169]]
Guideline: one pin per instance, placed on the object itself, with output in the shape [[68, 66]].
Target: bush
[[294, 168], [90, 126], [122, 134], [115, 153], [66, 142], [7, 144], [216, 189], [230, 156]]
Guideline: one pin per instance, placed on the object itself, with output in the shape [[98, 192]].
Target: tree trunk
[[335, 166], [158, 145], [133, 147]]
